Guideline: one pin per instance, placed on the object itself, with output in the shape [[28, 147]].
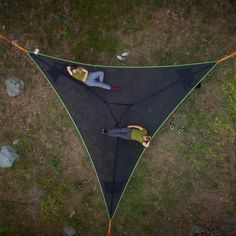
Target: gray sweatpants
[[119, 133], [95, 79]]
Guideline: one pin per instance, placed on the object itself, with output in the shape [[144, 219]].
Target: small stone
[[14, 86], [3, 27], [15, 142], [69, 230], [196, 229], [7, 156], [23, 64], [72, 213]]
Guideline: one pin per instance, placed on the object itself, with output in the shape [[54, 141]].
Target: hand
[[146, 144]]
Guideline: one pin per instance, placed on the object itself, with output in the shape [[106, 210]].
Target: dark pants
[[119, 133]]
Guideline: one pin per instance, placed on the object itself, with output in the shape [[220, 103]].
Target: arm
[[69, 70], [135, 127], [86, 73]]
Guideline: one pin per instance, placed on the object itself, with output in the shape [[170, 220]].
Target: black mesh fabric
[[147, 96]]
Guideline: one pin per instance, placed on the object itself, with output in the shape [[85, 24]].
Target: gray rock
[[7, 156], [14, 86], [196, 229], [69, 230]]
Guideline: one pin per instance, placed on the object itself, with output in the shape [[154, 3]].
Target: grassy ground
[[183, 179]]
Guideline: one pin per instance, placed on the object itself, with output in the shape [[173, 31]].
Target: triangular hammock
[[148, 96]]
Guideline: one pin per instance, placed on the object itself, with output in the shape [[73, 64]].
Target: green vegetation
[[3, 231], [55, 164], [80, 185], [159, 3], [50, 208], [229, 89], [25, 147]]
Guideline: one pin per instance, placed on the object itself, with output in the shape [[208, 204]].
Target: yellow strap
[[109, 228], [232, 54], [10, 41]]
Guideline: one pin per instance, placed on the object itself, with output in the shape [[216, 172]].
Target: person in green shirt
[[131, 132], [91, 79]]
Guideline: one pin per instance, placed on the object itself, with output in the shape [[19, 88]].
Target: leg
[[119, 133], [100, 75], [97, 75], [92, 80]]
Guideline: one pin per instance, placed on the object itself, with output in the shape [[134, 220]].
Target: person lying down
[[91, 79], [131, 132]]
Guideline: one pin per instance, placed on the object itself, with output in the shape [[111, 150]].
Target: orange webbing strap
[[109, 228], [232, 54], [10, 41]]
